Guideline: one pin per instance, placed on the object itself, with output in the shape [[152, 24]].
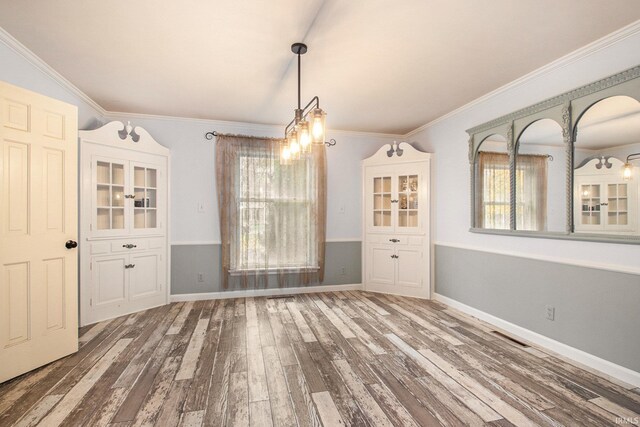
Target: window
[[494, 201], [275, 207], [272, 216], [531, 192]]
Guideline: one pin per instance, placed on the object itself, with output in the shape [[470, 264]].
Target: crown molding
[[47, 70], [274, 130], [577, 55]]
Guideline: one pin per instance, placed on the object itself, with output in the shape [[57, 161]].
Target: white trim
[[567, 261], [602, 366], [264, 292], [46, 69], [577, 55], [274, 130], [195, 242], [218, 242]]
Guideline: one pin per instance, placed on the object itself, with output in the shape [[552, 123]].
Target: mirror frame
[[566, 109]]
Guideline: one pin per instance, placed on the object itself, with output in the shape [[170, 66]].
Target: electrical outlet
[[342, 209], [343, 271], [550, 312], [200, 277]]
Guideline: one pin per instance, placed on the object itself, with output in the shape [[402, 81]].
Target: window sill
[[273, 271]]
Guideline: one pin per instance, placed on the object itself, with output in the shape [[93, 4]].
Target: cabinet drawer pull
[[394, 240], [129, 246]]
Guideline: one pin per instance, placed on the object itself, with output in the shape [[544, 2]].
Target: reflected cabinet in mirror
[[568, 167]]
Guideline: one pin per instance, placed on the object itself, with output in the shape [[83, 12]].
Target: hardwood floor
[[343, 358]]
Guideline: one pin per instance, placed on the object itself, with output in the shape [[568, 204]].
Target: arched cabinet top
[[402, 152], [120, 135]]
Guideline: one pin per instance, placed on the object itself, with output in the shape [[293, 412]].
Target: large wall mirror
[[568, 167]]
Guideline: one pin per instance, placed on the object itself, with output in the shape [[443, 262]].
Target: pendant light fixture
[[308, 125], [628, 167]]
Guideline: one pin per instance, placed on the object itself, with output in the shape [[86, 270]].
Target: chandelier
[[628, 167], [308, 125]]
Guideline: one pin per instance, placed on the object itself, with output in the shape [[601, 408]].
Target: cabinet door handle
[[604, 204], [394, 201], [129, 265], [394, 256], [394, 240]]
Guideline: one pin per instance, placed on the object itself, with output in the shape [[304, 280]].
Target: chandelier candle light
[[308, 124], [626, 169]]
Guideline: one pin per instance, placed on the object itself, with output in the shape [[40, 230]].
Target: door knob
[[71, 244]]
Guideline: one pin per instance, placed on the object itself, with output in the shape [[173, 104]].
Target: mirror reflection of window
[[541, 178], [605, 201], [493, 184]]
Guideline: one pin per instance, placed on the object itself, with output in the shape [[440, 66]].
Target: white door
[[146, 278], [109, 278], [382, 261], [409, 270], [38, 216]]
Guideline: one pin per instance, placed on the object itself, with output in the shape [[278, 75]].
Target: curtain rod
[[212, 134], [532, 155]]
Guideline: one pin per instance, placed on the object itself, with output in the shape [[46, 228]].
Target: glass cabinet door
[[381, 201], [110, 196], [145, 192], [617, 204], [590, 204], [407, 201]]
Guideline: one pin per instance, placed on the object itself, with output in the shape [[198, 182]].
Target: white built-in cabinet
[[603, 200], [124, 222], [396, 245]]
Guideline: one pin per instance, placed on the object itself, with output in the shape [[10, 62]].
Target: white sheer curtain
[[272, 216], [531, 192]]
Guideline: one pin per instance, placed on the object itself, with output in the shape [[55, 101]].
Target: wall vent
[[511, 339]]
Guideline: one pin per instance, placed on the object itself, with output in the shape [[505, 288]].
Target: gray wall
[[596, 311], [342, 266]]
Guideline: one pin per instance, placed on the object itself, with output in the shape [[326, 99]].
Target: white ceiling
[[377, 65]]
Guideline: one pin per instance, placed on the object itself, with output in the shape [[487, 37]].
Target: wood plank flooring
[[325, 359]]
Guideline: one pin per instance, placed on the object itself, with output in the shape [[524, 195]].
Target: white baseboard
[[603, 367], [264, 292]]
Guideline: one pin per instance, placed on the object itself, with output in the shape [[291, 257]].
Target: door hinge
[[91, 301], [91, 265], [90, 227]]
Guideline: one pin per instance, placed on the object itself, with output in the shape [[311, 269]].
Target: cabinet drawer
[[129, 245], [394, 239]]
